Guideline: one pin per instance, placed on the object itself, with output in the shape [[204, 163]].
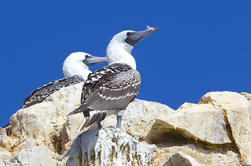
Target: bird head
[[129, 37], [78, 63], [121, 45]]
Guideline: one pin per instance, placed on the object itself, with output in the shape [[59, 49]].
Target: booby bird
[[112, 88], [75, 69]]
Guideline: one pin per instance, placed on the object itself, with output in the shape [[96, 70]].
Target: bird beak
[[93, 60], [134, 37]]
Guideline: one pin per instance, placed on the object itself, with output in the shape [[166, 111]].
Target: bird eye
[[128, 33], [86, 56]]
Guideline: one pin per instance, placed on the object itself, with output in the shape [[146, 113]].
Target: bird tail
[[82, 108], [88, 121]]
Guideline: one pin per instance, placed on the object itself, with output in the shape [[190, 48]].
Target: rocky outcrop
[[216, 131], [109, 146], [47, 123], [237, 113]]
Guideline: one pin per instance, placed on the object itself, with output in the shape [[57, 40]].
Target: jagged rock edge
[[228, 127], [186, 134]]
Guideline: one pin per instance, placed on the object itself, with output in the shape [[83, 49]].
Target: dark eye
[[128, 33], [86, 56]]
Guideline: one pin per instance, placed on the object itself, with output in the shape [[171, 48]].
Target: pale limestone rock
[[241, 130], [246, 95], [7, 163], [47, 122], [36, 156], [186, 105], [4, 141], [201, 122], [206, 157], [197, 132], [148, 120], [237, 111], [26, 144], [179, 159], [139, 113], [224, 99], [109, 146], [247, 162], [4, 156]]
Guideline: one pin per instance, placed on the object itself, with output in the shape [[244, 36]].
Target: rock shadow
[[165, 135]]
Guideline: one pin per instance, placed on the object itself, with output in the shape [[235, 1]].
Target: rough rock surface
[[180, 158], [109, 146], [47, 122], [237, 112], [216, 131]]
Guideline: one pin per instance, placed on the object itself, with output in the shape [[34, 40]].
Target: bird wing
[[110, 88], [115, 92], [43, 92]]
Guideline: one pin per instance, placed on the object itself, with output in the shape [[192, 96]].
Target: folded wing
[[110, 88], [40, 94]]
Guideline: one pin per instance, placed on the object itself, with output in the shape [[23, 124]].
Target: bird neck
[[118, 52], [70, 69]]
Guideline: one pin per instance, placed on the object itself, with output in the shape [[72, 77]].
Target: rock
[[246, 95], [36, 156], [201, 155], [46, 122], [4, 141], [214, 132], [247, 162], [139, 113], [4, 156], [109, 146], [224, 99], [237, 113], [179, 159], [202, 122]]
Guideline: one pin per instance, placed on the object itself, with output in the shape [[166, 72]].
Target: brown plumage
[[40, 94], [111, 88]]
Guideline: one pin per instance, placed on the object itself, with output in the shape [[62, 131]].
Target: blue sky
[[200, 46]]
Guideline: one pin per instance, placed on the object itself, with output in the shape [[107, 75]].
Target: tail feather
[[82, 108], [98, 117]]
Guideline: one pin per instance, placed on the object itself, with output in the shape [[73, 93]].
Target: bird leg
[[99, 125], [119, 118]]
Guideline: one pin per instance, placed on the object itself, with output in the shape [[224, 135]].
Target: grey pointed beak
[[134, 37], [93, 60]]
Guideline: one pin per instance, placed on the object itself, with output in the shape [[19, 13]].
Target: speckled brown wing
[[40, 94], [115, 92], [110, 88]]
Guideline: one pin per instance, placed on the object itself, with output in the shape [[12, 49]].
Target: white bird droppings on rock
[[111, 146]]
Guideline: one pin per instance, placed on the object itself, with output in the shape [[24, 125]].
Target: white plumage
[[73, 65], [118, 51]]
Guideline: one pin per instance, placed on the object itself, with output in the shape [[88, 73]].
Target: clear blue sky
[[200, 46]]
